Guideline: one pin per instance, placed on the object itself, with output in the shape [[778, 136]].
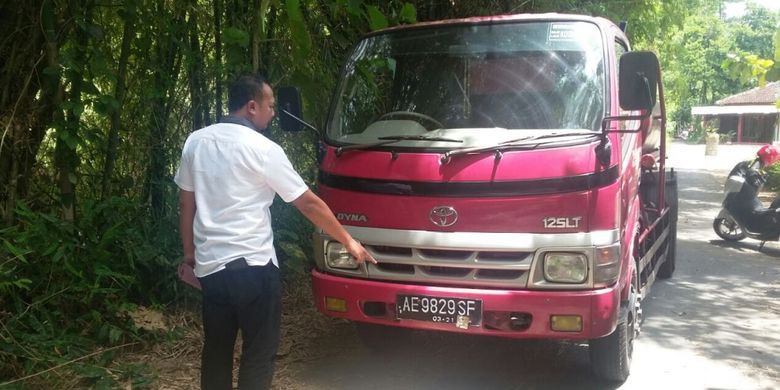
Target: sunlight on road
[[684, 156], [684, 369]]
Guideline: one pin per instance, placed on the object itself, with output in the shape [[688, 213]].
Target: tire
[[672, 195], [728, 229], [610, 356], [380, 338], [666, 270]]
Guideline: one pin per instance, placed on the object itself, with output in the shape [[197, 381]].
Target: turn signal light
[[566, 323], [335, 304]]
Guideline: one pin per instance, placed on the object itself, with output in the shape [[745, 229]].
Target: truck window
[[472, 79]]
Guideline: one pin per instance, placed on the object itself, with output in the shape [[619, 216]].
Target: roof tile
[[768, 94]]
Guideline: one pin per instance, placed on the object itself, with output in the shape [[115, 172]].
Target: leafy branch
[[750, 68]]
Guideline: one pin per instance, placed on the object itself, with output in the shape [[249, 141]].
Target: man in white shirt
[[228, 177]]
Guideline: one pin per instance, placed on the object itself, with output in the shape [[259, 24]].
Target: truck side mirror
[[288, 105], [639, 72]]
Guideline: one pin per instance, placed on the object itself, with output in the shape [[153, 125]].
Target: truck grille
[[451, 267]]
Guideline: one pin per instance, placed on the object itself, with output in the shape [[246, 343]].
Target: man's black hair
[[243, 89]]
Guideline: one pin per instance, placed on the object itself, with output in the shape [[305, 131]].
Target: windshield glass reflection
[[480, 83]]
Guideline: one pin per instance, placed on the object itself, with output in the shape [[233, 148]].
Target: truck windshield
[[479, 83]]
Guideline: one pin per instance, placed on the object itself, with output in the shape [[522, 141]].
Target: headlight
[[607, 261], [561, 267], [336, 256]]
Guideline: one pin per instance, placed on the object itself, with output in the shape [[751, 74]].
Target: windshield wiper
[[393, 139], [418, 138], [527, 142], [549, 135]]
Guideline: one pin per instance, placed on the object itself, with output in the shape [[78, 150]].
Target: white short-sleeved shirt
[[234, 172]]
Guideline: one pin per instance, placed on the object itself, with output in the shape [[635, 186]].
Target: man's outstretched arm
[[316, 211]]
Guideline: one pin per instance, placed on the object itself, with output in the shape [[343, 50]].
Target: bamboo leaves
[[376, 19], [9, 275], [301, 40], [408, 13]]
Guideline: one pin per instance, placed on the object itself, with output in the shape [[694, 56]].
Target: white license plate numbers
[[456, 311]]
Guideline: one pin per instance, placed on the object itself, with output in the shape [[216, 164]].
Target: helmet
[[768, 154]]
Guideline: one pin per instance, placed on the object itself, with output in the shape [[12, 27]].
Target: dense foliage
[[98, 97], [709, 57]]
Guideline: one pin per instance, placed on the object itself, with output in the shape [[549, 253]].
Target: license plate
[[458, 311]]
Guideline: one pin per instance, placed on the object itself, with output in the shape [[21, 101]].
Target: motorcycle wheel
[[728, 229]]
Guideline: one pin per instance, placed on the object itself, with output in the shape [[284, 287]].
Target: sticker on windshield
[[562, 32]]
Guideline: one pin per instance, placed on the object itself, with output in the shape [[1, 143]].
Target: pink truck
[[504, 171]]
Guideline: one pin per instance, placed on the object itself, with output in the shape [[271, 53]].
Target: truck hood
[[548, 190]]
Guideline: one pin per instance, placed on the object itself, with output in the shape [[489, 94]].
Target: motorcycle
[[743, 214]]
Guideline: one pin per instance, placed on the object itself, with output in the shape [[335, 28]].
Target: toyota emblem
[[443, 216]]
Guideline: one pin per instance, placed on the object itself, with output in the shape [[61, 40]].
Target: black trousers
[[246, 298]]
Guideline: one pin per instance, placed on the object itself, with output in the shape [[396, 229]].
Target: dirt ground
[[176, 364]]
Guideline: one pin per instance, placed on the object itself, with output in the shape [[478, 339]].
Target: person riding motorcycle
[[744, 204]]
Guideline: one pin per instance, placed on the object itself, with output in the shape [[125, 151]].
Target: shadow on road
[[748, 247], [428, 360]]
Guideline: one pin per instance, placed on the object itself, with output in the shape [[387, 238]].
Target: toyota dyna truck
[[508, 175]]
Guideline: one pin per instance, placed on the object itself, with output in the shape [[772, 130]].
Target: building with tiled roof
[[750, 116]]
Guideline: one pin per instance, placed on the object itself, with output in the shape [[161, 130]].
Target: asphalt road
[[715, 325]]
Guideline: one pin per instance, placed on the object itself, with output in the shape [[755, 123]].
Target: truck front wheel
[[666, 270], [610, 356]]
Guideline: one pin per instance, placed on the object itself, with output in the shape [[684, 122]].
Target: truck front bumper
[[374, 302]]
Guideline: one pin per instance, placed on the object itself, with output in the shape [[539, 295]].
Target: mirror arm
[[604, 148], [605, 121], [662, 157], [302, 122]]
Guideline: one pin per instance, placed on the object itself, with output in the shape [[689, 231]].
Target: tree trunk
[[269, 31], [26, 107], [254, 34], [195, 70], [167, 55], [53, 95], [9, 170], [218, 56], [66, 157], [128, 32]]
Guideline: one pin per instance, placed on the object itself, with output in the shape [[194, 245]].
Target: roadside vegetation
[[98, 97], [710, 57], [773, 179]]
